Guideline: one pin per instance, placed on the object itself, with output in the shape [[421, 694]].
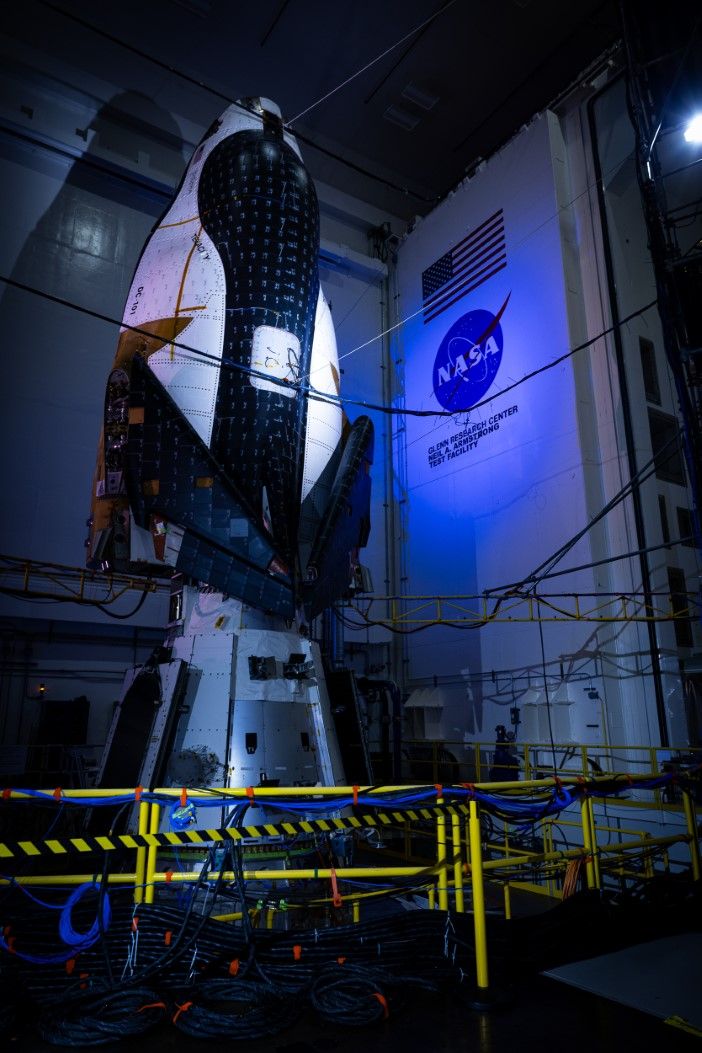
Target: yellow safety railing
[[461, 858], [456, 760], [514, 606]]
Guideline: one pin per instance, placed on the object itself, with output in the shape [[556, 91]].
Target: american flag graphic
[[466, 266]]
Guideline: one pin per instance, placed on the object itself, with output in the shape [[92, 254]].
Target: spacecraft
[[227, 464], [226, 456]]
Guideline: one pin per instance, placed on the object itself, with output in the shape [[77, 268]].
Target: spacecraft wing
[[346, 522]]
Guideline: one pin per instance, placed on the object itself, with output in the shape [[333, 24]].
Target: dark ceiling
[[466, 75]]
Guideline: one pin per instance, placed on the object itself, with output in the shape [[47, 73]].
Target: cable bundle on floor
[[222, 981], [236, 1009], [102, 1018], [350, 995]]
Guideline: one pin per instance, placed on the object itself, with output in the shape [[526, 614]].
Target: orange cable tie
[[297, 952], [168, 937], [152, 1005], [58, 792], [336, 895], [234, 967], [355, 794], [181, 1009], [183, 797], [384, 1002]]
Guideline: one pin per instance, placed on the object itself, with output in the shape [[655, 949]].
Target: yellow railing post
[[431, 897], [441, 858], [690, 822], [587, 841], [506, 888], [648, 859], [151, 853], [457, 863], [140, 869], [356, 911], [593, 841], [476, 871]]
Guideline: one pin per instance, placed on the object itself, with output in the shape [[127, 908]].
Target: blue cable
[[83, 940], [75, 941], [35, 899]]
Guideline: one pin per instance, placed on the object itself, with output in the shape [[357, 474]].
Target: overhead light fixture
[[693, 130]]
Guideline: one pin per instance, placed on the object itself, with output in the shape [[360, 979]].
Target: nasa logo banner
[[468, 359]]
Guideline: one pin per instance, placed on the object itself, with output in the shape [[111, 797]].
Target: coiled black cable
[[349, 995], [103, 1018], [237, 1009]]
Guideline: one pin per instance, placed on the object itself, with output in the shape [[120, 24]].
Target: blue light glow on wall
[[497, 486]]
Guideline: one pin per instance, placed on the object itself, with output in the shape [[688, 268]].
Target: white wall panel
[[492, 490]]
